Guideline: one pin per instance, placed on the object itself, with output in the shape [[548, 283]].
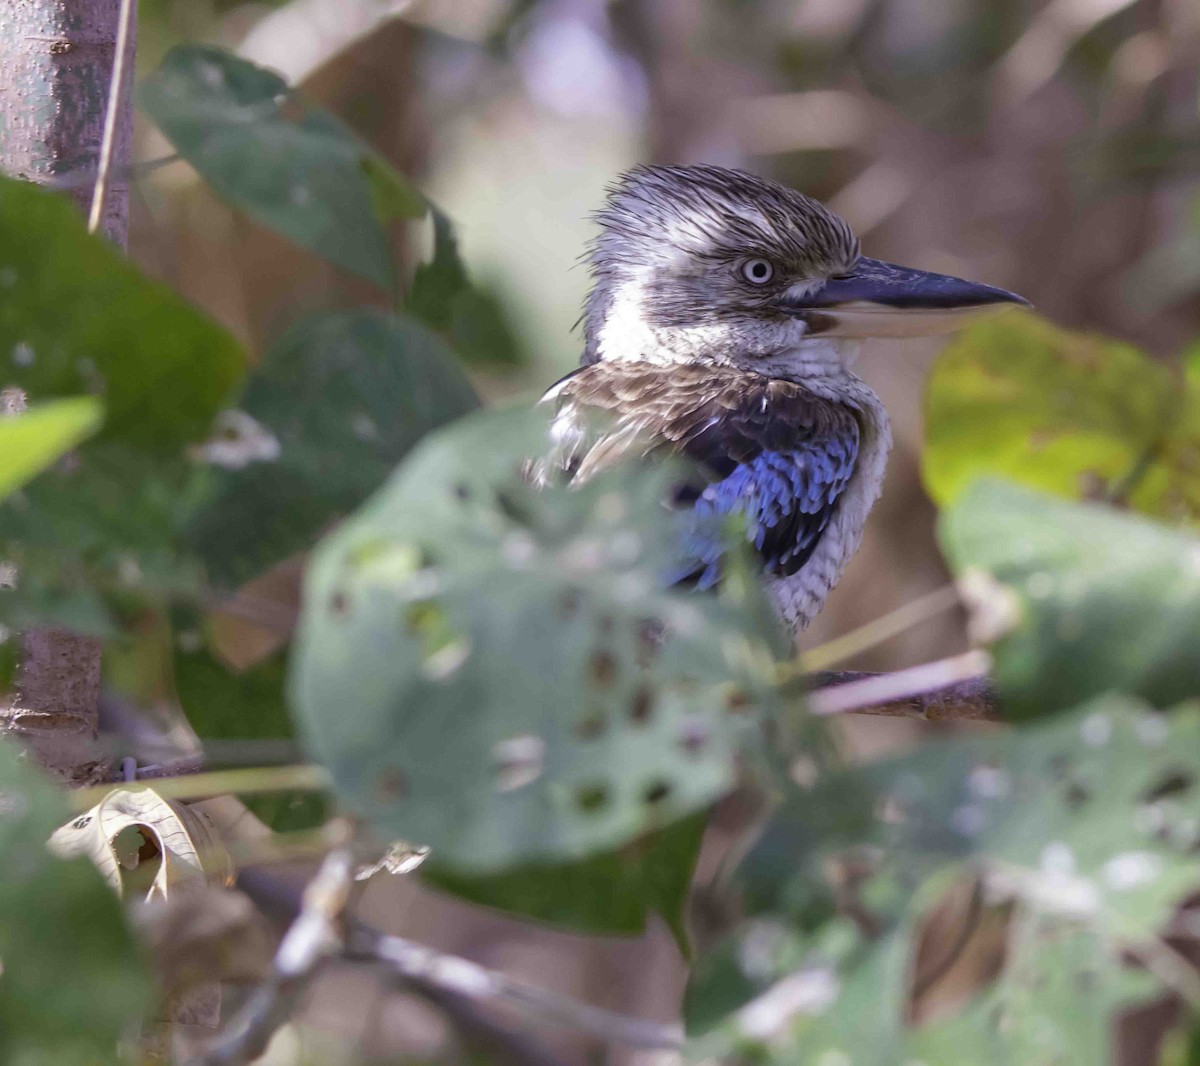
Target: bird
[[723, 323]]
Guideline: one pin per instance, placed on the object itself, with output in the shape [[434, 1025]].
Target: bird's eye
[[757, 271]]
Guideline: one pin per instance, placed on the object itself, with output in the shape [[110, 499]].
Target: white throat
[[624, 332], [618, 330]]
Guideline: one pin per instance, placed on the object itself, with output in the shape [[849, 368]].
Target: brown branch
[[464, 988], [461, 977], [964, 693], [314, 937], [58, 57], [279, 899]]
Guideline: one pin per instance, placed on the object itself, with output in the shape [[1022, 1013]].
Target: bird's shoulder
[[718, 416]]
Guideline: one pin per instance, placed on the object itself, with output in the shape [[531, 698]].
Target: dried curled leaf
[[129, 826]]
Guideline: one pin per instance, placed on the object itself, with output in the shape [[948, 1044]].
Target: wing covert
[[771, 450]]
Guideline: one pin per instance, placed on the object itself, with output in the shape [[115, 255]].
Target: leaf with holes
[[525, 690], [292, 167], [1091, 814], [1076, 599], [1083, 827], [72, 986], [1073, 414], [31, 441], [1054, 1003], [340, 399]]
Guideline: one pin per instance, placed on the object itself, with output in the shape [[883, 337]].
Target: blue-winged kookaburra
[[724, 322]]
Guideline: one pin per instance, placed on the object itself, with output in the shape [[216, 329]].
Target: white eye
[[757, 271]]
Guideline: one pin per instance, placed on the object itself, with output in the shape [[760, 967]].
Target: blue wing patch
[[787, 498], [770, 450]]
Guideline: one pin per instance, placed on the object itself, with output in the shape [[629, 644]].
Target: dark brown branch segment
[[969, 700]]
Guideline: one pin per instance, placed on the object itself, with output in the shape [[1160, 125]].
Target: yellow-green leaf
[[1078, 415], [31, 441]]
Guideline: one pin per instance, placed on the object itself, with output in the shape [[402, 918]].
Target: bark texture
[[57, 60]]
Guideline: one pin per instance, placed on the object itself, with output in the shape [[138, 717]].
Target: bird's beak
[[880, 299]]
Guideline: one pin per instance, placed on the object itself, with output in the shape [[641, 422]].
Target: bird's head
[[701, 263]]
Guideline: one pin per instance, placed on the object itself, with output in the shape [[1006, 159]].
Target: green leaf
[[443, 298], [100, 533], [104, 525], [393, 197], [31, 441], [865, 1021], [72, 986], [291, 166], [1084, 599], [525, 690], [817, 1013], [77, 317], [612, 893], [344, 396], [1085, 825], [1053, 1004], [762, 951], [1091, 815], [1073, 414]]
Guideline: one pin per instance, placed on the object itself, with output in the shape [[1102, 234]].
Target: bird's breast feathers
[[771, 449]]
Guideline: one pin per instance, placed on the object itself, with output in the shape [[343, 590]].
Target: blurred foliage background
[[1052, 148]]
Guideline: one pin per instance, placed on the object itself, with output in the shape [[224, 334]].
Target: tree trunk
[[57, 61]]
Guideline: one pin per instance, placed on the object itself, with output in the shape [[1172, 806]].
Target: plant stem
[[246, 781], [112, 114]]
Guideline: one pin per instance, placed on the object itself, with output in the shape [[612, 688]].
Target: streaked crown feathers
[[712, 213]]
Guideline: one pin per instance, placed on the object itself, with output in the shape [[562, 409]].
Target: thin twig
[[929, 691], [116, 90], [462, 977], [465, 990], [245, 781], [867, 636], [314, 937], [184, 765]]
